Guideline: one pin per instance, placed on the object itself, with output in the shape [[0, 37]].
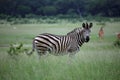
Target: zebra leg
[[40, 53], [71, 58], [72, 51], [72, 55]]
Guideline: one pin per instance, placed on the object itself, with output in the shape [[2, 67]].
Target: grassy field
[[96, 60]]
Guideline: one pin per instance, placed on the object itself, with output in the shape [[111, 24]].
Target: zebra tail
[[33, 49]]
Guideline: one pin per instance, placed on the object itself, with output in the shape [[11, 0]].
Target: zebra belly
[[59, 53]]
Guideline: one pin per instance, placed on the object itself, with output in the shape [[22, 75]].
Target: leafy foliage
[[16, 49]]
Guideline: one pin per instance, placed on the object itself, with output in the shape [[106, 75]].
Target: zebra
[[62, 44]]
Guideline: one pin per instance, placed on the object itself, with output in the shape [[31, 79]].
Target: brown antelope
[[118, 35], [101, 33]]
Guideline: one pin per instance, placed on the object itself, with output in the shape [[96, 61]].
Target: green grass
[[96, 60]]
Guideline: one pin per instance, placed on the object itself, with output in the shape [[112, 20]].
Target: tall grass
[[88, 64], [96, 60]]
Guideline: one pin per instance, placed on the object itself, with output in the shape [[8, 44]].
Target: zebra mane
[[76, 30]]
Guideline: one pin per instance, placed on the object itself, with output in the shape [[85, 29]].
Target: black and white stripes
[[59, 45]]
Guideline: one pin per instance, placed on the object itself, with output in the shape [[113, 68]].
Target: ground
[[96, 60]]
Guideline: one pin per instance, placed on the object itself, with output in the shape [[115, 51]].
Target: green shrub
[[16, 49]]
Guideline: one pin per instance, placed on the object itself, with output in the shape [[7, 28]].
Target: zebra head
[[86, 31]]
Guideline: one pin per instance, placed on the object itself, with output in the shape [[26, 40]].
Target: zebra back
[[75, 31]]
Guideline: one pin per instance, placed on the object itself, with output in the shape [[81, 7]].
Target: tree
[[49, 10], [23, 10], [108, 8]]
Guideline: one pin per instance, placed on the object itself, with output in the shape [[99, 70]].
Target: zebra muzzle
[[87, 39]]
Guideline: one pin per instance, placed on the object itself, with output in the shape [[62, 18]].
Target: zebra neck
[[80, 40]]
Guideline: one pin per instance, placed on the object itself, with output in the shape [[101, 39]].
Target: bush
[[16, 49]]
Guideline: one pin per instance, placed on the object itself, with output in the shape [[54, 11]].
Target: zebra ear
[[87, 25], [91, 24], [83, 25]]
